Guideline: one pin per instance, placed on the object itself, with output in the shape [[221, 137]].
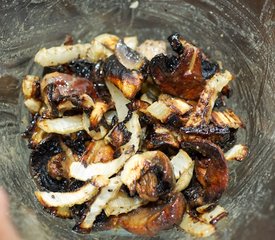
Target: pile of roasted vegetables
[[131, 136]]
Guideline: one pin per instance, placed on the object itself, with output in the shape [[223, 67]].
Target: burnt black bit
[[194, 194], [82, 68], [205, 130], [112, 67], [50, 89], [76, 141], [100, 222], [60, 68], [128, 117], [119, 135], [162, 187], [174, 121], [29, 130], [78, 211], [175, 43], [99, 82], [224, 137], [114, 121], [209, 68], [145, 120], [227, 91], [168, 63]]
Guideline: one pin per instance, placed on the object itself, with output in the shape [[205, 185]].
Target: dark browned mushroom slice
[[150, 174], [211, 172], [179, 75], [151, 219], [39, 167]]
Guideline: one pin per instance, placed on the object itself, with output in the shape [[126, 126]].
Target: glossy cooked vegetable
[[125, 135]]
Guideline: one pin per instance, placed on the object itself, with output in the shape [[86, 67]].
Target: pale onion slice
[[122, 203], [131, 42], [86, 101], [214, 215], [64, 125], [33, 105], [96, 135], [61, 54], [97, 52], [69, 199], [151, 48], [64, 106], [29, 86], [107, 40], [203, 110], [226, 118], [178, 105], [160, 111], [196, 227], [128, 57], [144, 97], [119, 100], [68, 160], [84, 172], [238, 152], [105, 195], [183, 169]]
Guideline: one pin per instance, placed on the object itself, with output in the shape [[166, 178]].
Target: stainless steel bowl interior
[[238, 33]]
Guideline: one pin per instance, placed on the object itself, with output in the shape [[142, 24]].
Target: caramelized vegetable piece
[[202, 114], [150, 174], [226, 119], [211, 172], [182, 75], [98, 151], [151, 219], [128, 81]]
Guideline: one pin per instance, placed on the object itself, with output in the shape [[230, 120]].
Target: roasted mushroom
[[150, 174], [180, 75], [211, 173], [151, 219]]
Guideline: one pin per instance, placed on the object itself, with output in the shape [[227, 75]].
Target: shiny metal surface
[[239, 33]]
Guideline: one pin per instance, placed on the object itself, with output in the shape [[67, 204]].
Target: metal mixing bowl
[[239, 33]]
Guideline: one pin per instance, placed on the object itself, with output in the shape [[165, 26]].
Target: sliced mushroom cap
[[211, 172], [182, 75], [150, 174], [151, 219]]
